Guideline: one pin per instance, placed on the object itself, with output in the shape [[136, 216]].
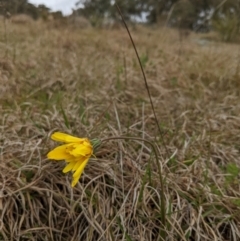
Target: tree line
[[198, 15], [15, 7], [184, 12]]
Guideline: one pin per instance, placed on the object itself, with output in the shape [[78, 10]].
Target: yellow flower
[[76, 152]]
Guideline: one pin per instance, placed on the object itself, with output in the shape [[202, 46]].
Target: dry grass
[[88, 83]]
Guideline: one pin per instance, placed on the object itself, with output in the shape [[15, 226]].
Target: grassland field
[[88, 83]]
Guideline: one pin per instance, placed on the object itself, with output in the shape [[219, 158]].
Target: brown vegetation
[[21, 19], [79, 22], [88, 83]]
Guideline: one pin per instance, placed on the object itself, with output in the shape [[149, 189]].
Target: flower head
[[76, 152]]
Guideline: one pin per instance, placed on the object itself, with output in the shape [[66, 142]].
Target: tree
[[226, 19], [194, 14], [96, 8], [100, 9], [156, 8], [23, 6], [129, 8], [43, 11], [184, 14], [14, 6]]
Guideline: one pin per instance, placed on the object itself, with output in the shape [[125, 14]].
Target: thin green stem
[[145, 81]]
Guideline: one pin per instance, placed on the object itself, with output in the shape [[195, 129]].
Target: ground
[[88, 83]]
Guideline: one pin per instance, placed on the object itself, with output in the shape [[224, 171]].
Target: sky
[[55, 5]]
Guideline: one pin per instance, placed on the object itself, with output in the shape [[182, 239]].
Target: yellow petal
[[62, 137], [69, 167], [81, 150], [80, 168], [77, 174], [78, 163], [72, 159], [59, 153]]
